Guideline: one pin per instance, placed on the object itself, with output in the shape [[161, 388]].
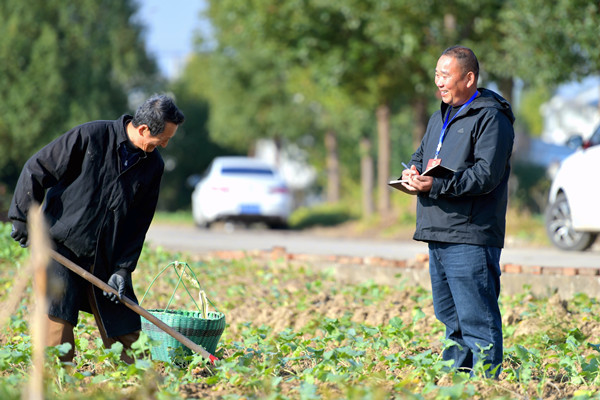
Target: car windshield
[[246, 171]]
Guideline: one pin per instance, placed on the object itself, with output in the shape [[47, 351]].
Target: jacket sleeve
[[417, 158], [51, 165], [493, 143]]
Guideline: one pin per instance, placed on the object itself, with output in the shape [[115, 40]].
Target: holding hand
[[19, 232], [409, 174], [119, 281]]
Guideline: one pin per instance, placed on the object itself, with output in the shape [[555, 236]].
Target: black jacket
[[92, 208], [469, 206]]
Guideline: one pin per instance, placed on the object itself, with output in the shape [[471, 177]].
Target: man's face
[[149, 142], [453, 86]]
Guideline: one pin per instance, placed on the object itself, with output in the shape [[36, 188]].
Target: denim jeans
[[465, 281]]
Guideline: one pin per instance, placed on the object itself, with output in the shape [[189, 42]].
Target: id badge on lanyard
[[433, 162], [436, 160]]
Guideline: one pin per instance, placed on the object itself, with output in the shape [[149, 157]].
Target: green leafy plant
[[296, 333]]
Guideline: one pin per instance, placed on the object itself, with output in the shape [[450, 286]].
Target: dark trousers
[[61, 331], [465, 281]]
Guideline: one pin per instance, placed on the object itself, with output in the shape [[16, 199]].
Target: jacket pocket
[[59, 231], [456, 213]]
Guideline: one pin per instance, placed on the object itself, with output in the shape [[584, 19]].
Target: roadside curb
[[538, 280]]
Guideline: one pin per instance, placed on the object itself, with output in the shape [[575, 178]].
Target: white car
[[573, 215], [241, 189]]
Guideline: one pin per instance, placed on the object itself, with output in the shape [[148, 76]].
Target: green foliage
[[297, 333], [10, 251], [65, 64], [549, 45], [529, 112], [532, 185], [322, 215], [179, 217], [246, 82]]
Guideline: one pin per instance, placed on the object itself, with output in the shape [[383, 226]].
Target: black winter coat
[[469, 206], [94, 211]]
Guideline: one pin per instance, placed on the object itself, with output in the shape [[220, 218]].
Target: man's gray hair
[[156, 112]]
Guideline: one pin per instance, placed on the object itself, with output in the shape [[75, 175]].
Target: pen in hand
[[413, 172], [405, 166]]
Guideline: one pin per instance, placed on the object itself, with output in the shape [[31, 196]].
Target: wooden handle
[[133, 306]]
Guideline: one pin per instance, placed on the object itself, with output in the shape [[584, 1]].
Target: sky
[[170, 27]]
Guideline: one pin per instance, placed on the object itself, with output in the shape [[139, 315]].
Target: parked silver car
[[241, 189]]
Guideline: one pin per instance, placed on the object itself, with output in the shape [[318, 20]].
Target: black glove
[[19, 232], [120, 280]]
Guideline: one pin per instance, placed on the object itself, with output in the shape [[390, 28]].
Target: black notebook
[[438, 171], [397, 183]]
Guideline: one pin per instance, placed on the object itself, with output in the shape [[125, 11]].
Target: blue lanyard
[[446, 123]]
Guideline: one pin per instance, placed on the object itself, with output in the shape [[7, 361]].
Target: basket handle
[[176, 264]]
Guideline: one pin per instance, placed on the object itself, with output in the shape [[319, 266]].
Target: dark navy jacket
[[93, 209], [468, 206]]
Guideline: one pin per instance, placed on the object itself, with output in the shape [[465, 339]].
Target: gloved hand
[[19, 232], [119, 280]]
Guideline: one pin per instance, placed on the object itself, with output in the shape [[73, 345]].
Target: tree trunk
[[506, 86], [278, 144], [333, 167], [450, 23], [366, 177], [421, 118], [383, 157]]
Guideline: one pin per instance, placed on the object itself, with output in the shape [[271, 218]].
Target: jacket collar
[[121, 129]]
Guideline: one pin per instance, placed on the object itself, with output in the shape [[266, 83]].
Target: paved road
[[200, 241]]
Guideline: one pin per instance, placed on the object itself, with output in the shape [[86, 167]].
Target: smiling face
[[455, 87]]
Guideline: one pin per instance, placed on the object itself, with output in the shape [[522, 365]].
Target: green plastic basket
[[201, 327]]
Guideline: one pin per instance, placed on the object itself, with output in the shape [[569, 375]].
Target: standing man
[[461, 214], [99, 185]]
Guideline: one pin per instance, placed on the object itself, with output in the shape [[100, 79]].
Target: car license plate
[[250, 209]]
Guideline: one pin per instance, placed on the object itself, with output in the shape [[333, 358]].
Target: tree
[[550, 45], [347, 43], [248, 80], [64, 63], [338, 122], [191, 150], [258, 89]]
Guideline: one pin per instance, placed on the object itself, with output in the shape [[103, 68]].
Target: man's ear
[[143, 130], [470, 78]]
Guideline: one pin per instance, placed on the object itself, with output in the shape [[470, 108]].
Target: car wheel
[[278, 225], [560, 228], [203, 225], [201, 222]]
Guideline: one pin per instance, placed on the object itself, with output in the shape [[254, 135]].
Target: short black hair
[[466, 59], [156, 112]]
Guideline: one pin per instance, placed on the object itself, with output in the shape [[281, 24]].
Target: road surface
[[200, 241]]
